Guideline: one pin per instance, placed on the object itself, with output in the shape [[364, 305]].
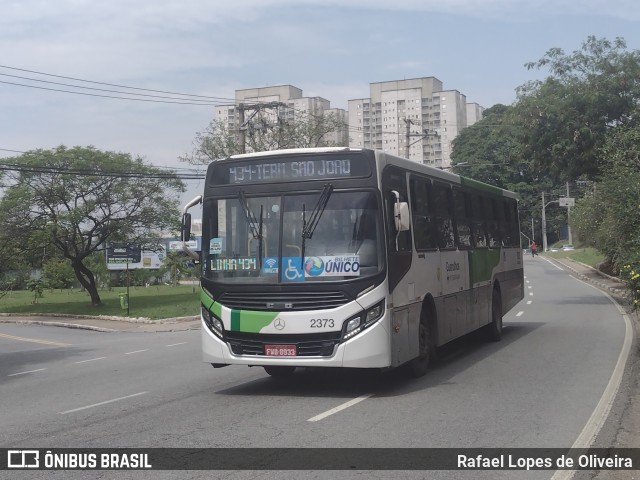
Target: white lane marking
[[91, 360], [22, 373], [519, 314], [102, 403], [527, 281], [529, 287], [531, 294], [553, 263], [603, 408], [174, 344], [529, 302], [137, 351], [339, 408]]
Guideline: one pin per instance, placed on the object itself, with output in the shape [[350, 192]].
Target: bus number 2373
[[321, 323]]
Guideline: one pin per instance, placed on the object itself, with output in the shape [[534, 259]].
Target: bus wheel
[[279, 371], [420, 365], [494, 329]]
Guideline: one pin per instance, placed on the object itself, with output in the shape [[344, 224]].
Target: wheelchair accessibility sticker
[[325, 266]]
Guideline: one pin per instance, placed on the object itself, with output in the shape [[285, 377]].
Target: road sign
[[567, 202]]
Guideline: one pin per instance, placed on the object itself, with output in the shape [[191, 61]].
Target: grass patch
[[589, 256], [155, 302]]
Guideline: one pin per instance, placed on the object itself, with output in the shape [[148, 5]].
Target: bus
[[356, 258]]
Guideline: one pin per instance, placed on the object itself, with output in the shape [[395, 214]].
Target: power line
[[96, 89], [116, 85], [85, 172], [107, 96]]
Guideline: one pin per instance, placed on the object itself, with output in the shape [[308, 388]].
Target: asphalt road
[[538, 387]]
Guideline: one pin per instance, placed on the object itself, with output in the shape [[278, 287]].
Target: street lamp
[[544, 222]]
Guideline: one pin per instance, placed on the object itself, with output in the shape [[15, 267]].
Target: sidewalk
[[612, 285]]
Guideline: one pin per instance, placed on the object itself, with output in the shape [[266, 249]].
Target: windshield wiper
[[254, 225], [309, 228]]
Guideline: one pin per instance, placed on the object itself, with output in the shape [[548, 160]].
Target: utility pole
[[241, 129], [544, 222], [533, 232], [408, 122], [544, 226], [569, 217], [243, 124]]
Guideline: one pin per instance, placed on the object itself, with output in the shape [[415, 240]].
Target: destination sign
[[266, 170]]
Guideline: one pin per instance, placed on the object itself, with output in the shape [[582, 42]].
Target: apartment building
[[291, 106], [415, 118]]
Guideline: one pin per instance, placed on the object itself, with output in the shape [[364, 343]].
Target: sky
[[210, 48]]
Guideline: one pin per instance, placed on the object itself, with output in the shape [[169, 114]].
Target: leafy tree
[[37, 287], [262, 134], [80, 198], [609, 218], [565, 118], [57, 273]]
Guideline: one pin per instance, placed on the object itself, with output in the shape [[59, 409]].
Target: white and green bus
[[341, 257]]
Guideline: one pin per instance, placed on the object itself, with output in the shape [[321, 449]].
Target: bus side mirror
[[185, 231], [400, 214]]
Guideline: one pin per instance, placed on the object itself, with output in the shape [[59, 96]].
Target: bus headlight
[[365, 319], [213, 322]]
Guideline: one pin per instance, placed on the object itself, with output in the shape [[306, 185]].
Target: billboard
[[131, 256]]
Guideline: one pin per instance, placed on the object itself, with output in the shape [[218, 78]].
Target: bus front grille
[[283, 302], [307, 345]]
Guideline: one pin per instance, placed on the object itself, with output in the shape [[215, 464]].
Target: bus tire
[[279, 371], [494, 329], [419, 366]]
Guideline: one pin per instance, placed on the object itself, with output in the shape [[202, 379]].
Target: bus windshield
[[270, 239]]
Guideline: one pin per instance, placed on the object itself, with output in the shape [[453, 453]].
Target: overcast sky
[[328, 48]]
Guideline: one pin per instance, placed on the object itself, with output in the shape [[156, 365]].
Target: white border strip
[[602, 410]]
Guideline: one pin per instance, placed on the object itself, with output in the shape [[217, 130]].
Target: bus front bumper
[[368, 349]]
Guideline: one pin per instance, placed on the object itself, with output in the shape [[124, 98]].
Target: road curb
[[60, 324], [618, 291]]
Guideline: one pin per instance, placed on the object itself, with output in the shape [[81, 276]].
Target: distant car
[[567, 247]]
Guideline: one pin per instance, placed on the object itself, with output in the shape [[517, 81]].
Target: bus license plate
[[280, 350]]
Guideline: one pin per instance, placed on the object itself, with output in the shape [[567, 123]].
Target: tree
[[80, 198], [57, 273], [217, 141], [566, 117], [609, 218]]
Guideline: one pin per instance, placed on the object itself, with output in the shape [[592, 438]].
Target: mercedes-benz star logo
[[279, 324]]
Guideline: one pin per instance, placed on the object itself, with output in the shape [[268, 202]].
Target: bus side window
[[442, 211], [511, 209], [423, 228], [462, 219], [493, 229], [479, 225]]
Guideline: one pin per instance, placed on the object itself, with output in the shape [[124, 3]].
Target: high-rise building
[[288, 105], [414, 118]]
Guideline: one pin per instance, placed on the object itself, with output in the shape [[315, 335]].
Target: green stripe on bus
[[469, 182], [205, 299], [481, 265], [235, 321], [250, 321]]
